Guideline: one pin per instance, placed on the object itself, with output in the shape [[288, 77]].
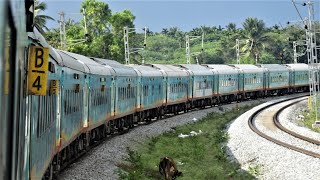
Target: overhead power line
[[294, 4]]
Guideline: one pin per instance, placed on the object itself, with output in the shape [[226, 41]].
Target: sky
[[188, 14]]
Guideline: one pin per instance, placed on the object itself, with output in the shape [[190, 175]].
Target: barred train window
[[46, 113]]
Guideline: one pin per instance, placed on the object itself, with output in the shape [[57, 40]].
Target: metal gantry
[[311, 51], [63, 37], [127, 50], [295, 44], [238, 41], [188, 53], [312, 60]]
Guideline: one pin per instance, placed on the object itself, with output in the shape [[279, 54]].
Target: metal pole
[[202, 42], [63, 38], [188, 49], [295, 57], [145, 38], [126, 44], [256, 58], [312, 60], [238, 50], [85, 22]]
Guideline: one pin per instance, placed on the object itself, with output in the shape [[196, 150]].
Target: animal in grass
[[168, 168]]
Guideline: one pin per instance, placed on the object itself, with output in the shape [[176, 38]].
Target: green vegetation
[[309, 119], [105, 30], [255, 170], [40, 19], [200, 157]]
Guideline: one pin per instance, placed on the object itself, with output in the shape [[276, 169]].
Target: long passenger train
[[85, 99]]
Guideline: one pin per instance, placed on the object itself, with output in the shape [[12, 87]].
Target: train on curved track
[[84, 99]]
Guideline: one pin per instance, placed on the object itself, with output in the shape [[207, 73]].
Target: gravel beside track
[[100, 162], [292, 120], [270, 160]]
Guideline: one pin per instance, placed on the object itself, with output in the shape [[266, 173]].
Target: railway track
[[278, 125]]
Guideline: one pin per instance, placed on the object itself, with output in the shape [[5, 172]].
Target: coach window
[[120, 93], [123, 93]]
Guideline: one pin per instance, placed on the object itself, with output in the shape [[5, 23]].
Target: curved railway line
[[251, 123], [279, 125]]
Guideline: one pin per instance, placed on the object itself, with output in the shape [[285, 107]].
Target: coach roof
[[222, 69], [119, 69], [298, 67], [171, 70], [249, 68], [146, 70], [94, 67], [196, 69], [72, 62], [274, 67]]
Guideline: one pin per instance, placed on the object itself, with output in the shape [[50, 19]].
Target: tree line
[[105, 29]]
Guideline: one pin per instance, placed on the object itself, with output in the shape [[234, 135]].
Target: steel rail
[[279, 125], [255, 129]]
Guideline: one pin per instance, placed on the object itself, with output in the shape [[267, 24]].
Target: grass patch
[[200, 157], [309, 117], [255, 170]]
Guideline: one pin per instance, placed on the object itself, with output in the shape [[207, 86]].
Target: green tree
[[40, 19], [121, 19], [118, 21], [255, 36], [164, 31], [231, 27]]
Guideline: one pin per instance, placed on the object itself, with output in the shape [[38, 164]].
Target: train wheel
[[108, 128], [49, 173]]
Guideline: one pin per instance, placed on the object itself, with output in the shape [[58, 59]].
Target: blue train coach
[[299, 77], [276, 79], [177, 81], [123, 95], [251, 80], [151, 92], [226, 83], [200, 85]]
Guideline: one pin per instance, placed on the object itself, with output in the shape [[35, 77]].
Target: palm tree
[[255, 37], [231, 27], [40, 19], [164, 31]]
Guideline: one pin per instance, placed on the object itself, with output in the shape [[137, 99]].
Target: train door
[[241, 81], [165, 89], [113, 96], [191, 86], [139, 94], [138, 87], [266, 79], [86, 102], [292, 78]]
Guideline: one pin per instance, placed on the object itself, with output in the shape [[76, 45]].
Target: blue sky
[[187, 14]]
